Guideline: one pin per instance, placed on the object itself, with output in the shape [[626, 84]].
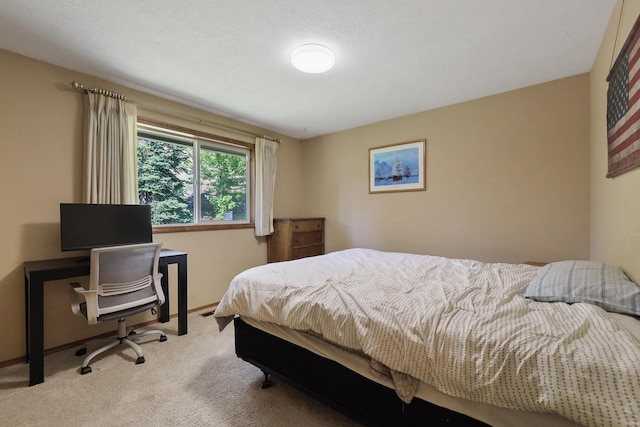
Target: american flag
[[623, 108]]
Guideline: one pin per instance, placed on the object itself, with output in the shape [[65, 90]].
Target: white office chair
[[124, 280]]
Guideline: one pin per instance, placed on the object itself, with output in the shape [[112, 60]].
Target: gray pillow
[[586, 281]]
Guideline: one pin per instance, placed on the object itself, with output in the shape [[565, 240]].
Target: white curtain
[[110, 165], [265, 185]]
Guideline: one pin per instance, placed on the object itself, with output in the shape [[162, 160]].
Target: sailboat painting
[[398, 167]]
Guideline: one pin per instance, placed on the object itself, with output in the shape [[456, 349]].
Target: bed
[[405, 339]]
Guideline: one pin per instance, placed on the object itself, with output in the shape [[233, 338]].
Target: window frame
[[208, 140]]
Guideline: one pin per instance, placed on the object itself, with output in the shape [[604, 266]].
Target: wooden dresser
[[295, 238]]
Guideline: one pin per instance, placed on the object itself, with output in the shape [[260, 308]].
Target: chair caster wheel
[[163, 338], [85, 370], [131, 332], [140, 360], [81, 352]]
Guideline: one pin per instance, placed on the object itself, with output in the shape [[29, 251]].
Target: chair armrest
[[90, 297], [74, 294], [157, 277]]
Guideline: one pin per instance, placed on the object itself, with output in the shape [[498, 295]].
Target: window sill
[[157, 229]]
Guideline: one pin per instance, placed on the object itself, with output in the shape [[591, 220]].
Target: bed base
[[358, 397]]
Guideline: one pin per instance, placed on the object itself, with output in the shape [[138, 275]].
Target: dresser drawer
[[310, 238], [295, 238], [307, 251], [307, 225]]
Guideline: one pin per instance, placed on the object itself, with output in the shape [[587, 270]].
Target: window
[[191, 179]]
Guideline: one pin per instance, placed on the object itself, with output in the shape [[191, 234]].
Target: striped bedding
[[461, 326]]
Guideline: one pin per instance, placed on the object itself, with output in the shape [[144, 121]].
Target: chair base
[[125, 336]]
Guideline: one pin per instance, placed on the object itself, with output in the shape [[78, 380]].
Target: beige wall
[[615, 202], [40, 166], [507, 179]]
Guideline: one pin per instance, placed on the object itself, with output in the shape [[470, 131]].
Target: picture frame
[[623, 124], [398, 167]]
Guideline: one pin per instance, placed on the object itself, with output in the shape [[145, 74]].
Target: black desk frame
[[38, 272]]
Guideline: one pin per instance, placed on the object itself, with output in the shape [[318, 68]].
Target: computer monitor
[[87, 226]]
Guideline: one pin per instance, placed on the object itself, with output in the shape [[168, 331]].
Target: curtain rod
[[94, 89], [171, 112], [270, 138]]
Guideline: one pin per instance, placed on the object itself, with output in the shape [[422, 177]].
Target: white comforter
[[459, 325]]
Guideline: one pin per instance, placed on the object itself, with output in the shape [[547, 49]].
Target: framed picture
[[398, 167], [623, 123]]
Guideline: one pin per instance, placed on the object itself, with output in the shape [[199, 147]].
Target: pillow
[[586, 281]]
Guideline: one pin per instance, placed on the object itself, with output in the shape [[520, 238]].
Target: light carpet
[[190, 380]]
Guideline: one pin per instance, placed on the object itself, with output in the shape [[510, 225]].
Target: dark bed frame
[[358, 397]]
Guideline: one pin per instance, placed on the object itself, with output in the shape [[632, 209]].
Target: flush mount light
[[313, 58]]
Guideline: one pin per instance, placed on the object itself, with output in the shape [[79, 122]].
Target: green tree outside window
[[181, 190]]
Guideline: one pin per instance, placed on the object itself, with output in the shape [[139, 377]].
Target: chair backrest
[[126, 279]]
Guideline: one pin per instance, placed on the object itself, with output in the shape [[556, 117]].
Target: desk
[[38, 272]]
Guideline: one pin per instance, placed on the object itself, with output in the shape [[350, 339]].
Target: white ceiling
[[231, 57]]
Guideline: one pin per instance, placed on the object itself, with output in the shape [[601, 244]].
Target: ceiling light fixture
[[313, 58]]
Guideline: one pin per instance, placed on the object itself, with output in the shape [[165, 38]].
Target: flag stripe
[[625, 131], [622, 148]]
